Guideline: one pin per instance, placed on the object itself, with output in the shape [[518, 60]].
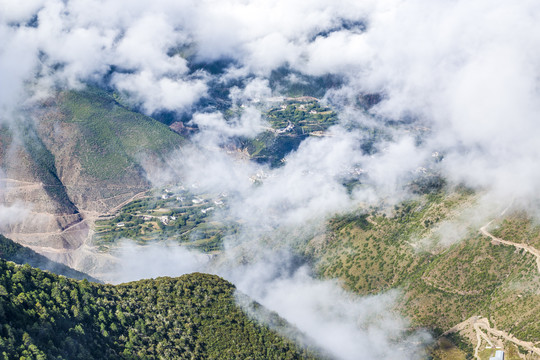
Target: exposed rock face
[[29, 178]]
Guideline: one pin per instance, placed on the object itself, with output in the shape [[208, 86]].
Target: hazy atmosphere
[[420, 94]]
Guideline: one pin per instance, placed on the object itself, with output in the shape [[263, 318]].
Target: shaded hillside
[[100, 147], [194, 316], [11, 251], [80, 152], [442, 285]]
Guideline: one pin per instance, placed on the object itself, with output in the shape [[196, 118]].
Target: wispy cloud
[[465, 72]]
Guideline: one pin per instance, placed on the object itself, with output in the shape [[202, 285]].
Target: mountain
[[45, 316], [77, 155], [11, 251], [480, 286]]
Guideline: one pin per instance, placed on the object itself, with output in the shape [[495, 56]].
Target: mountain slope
[[194, 316], [100, 146], [78, 155], [441, 285], [11, 251]]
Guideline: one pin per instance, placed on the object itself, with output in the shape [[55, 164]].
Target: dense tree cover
[[46, 316], [10, 250]]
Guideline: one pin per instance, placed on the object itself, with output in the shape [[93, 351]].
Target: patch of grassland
[[111, 136]]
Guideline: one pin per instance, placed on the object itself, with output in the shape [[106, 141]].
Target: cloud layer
[[466, 73]]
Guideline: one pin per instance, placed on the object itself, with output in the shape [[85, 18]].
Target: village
[[301, 116], [173, 213]]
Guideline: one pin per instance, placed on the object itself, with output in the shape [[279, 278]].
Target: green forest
[[46, 316]]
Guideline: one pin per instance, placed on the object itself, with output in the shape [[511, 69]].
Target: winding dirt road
[[480, 324], [117, 208], [525, 247]]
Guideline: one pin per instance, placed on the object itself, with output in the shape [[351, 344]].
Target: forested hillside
[[45, 316]]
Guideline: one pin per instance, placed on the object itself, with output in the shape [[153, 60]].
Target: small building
[[204, 211], [165, 220], [499, 355], [121, 224], [197, 201], [164, 196], [173, 218]]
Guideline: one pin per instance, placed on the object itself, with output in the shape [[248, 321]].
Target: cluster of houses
[[197, 200], [289, 128], [166, 219]]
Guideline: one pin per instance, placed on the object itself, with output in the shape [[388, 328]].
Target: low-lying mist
[[454, 89]]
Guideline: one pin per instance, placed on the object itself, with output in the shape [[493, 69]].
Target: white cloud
[[12, 215], [467, 70], [135, 262], [160, 93], [17, 12]]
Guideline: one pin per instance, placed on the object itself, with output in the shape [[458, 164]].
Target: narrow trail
[[71, 228], [51, 250], [370, 220], [448, 290], [484, 323], [480, 324], [525, 247], [479, 335], [134, 197]]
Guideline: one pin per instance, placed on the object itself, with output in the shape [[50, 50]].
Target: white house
[[499, 355]]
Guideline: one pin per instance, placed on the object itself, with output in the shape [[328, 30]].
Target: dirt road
[[525, 247], [490, 335]]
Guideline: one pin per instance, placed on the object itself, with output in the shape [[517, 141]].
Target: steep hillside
[[11, 251], [100, 147], [442, 286], [194, 316], [78, 155]]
